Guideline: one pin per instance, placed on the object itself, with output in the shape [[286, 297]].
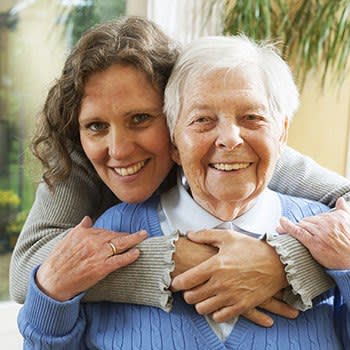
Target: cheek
[[192, 148], [268, 154], [158, 141], [93, 150]]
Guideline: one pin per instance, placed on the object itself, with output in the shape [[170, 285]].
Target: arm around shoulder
[[301, 176], [52, 215]]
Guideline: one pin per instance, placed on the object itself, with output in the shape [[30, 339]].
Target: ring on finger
[[113, 247]]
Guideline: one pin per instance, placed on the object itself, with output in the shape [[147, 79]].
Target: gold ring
[[114, 248]]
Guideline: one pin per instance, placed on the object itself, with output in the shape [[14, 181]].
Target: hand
[[274, 305], [83, 258], [326, 236], [189, 254], [243, 274]]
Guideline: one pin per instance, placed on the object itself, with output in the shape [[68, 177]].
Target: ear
[[175, 154], [284, 132]]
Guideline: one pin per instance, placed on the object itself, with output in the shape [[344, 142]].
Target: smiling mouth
[[131, 170], [229, 166]]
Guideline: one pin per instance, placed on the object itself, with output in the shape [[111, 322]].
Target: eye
[[140, 118], [201, 120], [97, 126], [252, 117]]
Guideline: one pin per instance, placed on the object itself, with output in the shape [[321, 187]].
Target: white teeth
[[131, 170], [230, 166]]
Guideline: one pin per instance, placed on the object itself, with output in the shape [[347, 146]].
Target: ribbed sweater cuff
[[144, 282], [307, 279], [48, 315]]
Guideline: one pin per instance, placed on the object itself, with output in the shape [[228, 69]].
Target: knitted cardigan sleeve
[[300, 176], [53, 214]]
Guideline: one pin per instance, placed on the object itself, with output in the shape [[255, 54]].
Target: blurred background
[[36, 35]]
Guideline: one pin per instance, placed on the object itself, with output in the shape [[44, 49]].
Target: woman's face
[[226, 140], [123, 132]]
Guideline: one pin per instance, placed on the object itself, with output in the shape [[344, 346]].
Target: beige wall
[[321, 127], [36, 53]]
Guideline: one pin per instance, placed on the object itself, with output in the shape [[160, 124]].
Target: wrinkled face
[[226, 140], [123, 132]]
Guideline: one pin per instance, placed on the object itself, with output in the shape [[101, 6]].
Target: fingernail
[[143, 233]]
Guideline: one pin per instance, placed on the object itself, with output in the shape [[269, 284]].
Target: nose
[[229, 136], [120, 144]]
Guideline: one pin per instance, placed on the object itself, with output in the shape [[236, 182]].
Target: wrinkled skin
[[83, 258], [326, 236], [241, 273]]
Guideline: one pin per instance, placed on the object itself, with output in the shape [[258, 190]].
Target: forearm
[[146, 281], [54, 214], [307, 279], [150, 274], [47, 324], [300, 176]]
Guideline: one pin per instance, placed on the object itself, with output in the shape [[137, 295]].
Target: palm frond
[[314, 34]]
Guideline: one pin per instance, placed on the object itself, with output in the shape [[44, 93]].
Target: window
[[34, 39]]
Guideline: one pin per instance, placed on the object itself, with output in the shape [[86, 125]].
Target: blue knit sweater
[[48, 324]]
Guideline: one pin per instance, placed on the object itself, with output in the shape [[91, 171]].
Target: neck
[[225, 211]]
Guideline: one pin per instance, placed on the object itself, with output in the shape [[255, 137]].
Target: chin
[[133, 198]]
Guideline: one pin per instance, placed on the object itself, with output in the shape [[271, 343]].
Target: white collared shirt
[[179, 211]]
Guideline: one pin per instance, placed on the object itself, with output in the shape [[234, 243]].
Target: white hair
[[219, 52]]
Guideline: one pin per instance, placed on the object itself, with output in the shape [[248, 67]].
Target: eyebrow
[[243, 106]]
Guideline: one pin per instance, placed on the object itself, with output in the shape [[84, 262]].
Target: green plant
[[90, 12], [9, 199], [9, 202], [15, 226], [314, 34]]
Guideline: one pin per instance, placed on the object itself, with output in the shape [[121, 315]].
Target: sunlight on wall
[[320, 129]]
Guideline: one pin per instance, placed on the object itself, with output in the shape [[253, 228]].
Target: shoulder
[[296, 208], [127, 217]]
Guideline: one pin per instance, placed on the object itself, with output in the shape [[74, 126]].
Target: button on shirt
[[178, 211]]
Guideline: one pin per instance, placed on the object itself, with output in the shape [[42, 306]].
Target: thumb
[[211, 237], [342, 205], [86, 222]]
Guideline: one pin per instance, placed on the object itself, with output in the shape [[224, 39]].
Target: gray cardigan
[[83, 193]]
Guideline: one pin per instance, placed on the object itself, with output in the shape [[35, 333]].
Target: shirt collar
[[262, 217]]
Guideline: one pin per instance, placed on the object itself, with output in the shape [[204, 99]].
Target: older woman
[[228, 131]]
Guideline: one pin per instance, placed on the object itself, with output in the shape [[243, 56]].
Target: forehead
[[246, 77], [237, 85]]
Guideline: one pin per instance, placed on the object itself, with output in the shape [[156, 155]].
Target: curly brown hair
[[128, 40]]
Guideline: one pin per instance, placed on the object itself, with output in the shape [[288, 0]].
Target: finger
[[120, 260], [259, 318], [313, 228], [342, 205], [199, 293], [193, 277], [295, 230], [206, 237], [125, 242], [215, 303], [280, 230], [279, 308], [86, 222]]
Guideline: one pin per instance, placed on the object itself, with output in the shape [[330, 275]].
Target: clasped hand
[[243, 274]]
